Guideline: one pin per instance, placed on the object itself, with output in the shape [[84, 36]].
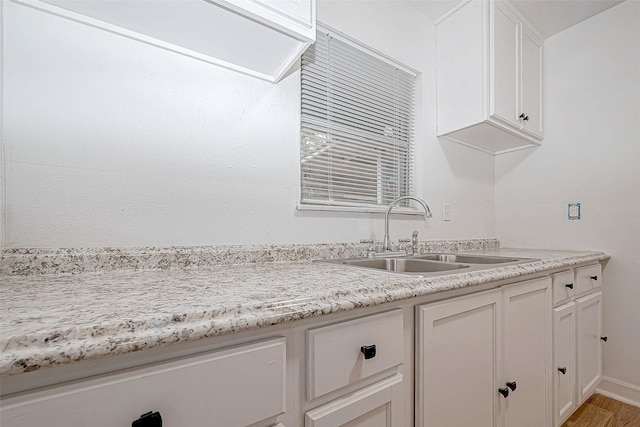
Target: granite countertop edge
[[25, 350]]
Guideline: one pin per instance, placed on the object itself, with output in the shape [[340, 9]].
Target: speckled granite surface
[[85, 260], [49, 320]]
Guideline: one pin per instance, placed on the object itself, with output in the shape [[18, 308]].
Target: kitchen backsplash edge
[[41, 261]]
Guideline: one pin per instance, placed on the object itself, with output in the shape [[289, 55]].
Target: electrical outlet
[[574, 211], [446, 212]]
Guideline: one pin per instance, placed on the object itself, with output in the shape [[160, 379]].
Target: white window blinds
[[357, 126]]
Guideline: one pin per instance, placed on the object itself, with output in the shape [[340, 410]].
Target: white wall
[[111, 142], [590, 154], [2, 163]]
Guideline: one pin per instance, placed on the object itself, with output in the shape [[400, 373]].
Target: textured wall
[[111, 142]]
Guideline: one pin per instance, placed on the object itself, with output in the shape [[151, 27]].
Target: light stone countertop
[[50, 320]]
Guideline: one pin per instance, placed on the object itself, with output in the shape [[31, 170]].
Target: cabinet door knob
[[150, 419], [563, 370], [369, 351], [504, 392], [569, 285], [523, 117], [512, 385], [604, 339], [594, 277]]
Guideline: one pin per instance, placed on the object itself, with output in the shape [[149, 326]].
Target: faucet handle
[[401, 242], [414, 238], [415, 250], [371, 250]]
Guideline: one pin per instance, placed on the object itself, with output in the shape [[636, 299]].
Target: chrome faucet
[[386, 244]]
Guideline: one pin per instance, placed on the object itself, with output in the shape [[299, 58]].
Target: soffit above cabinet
[[261, 38]]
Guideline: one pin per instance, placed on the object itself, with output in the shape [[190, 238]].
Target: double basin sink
[[432, 264]]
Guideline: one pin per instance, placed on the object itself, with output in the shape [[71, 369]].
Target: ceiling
[[549, 17]]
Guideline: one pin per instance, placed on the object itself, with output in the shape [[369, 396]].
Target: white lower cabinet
[[498, 358], [350, 354], [577, 338], [482, 360], [235, 387]]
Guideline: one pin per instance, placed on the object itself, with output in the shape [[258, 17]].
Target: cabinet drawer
[[335, 357], [564, 286], [588, 278], [378, 405], [232, 388]]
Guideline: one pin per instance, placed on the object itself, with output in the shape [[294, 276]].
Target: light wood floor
[[601, 411]]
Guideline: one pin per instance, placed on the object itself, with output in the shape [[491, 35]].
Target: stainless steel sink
[[404, 265], [431, 264], [468, 259]]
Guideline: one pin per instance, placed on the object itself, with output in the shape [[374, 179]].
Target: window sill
[[359, 209]]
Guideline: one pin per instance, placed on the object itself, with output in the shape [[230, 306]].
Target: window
[[357, 125]]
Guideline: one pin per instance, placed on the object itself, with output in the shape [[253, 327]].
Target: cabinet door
[[564, 362], [378, 405], [531, 84], [457, 354], [504, 66], [589, 330], [527, 354]]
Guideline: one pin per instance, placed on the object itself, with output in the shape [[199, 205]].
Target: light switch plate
[[574, 211]]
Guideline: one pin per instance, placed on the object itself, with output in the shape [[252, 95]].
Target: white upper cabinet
[[261, 38], [296, 10], [489, 89]]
